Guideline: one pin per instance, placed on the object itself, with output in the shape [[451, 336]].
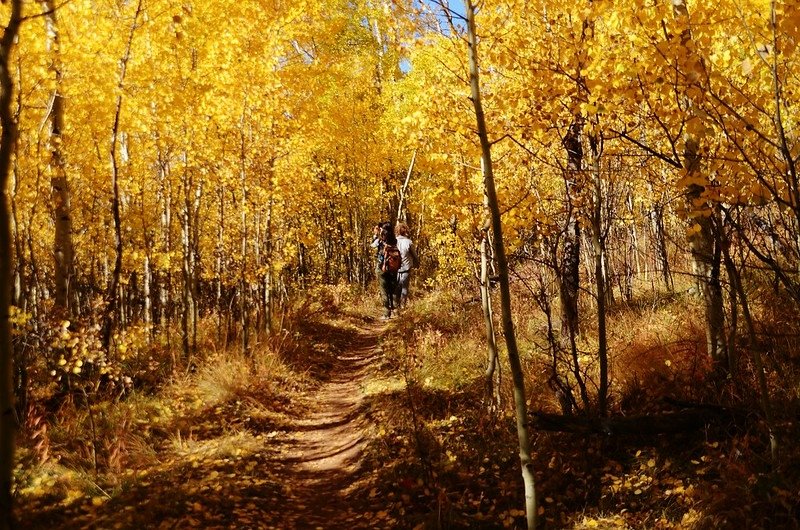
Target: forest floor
[[240, 465], [345, 422]]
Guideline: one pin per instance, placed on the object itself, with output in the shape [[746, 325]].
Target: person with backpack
[[409, 260], [389, 263]]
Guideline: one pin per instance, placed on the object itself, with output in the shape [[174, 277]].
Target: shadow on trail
[[331, 351], [323, 450], [299, 470]]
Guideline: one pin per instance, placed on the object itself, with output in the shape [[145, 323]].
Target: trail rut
[[323, 451]]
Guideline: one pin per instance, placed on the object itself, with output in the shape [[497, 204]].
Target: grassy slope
[[466, 458]]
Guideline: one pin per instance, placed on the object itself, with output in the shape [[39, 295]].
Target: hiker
[[388, 263], [377, 244], [409, 260]]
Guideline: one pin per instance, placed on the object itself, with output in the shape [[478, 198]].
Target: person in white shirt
[[409, 261]]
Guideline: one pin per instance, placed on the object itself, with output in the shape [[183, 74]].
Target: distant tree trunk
[[401, 213], [703, 244], [766, 403], [218, 270], [8, 421], [63, 250], [162, 276], [269, 270], [194, 259], [243, 285], [502, 273], [187, 313], [493, 366], [660, 241], [147, 278], [633, 267], [113, 310], [598, 246]]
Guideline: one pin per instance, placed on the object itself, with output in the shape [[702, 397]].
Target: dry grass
[[233, 444]]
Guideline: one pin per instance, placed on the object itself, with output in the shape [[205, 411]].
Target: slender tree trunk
[[8, 421], [401, 214], [147, 279], [20, 296], [702, 242], [493, 366], [186, 271], [766, 403], [600, 277], [194, 260], [503, 277], [243, 285], [660, 240], [785, 148], [113, 310], [163, 284], [63, 250], [219, 263], [633, 238], [569, 274], [269, 273]]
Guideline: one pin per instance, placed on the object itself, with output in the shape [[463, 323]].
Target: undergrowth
[[458, 465]]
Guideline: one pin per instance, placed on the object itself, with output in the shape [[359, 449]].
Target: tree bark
[[493, 366], [660, 240], [569, 275], [702, 242], [113, 297], [8, 421], [187, 313], [600, 276], [502, 273], [243, 284], [63, 250], [766, 402], [401, 216]]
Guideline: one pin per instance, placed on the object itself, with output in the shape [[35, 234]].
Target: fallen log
[[651, 424]]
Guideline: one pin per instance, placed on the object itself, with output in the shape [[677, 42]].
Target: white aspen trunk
[[502, 273], [493, 365], [243, 286], [63, 250], [702, 241], [219, 263], [401, 215], [147, 277], [165, 243], [112, 316], [186, 272], [268, 301], [601, 283], [193, 257], [20, 296]]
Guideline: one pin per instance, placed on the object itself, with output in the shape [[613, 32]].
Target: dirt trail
[[295, 472], [323, 451]]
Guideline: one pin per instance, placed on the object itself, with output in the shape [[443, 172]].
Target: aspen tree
[[502, 272], [8, 420], [63, 252]]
